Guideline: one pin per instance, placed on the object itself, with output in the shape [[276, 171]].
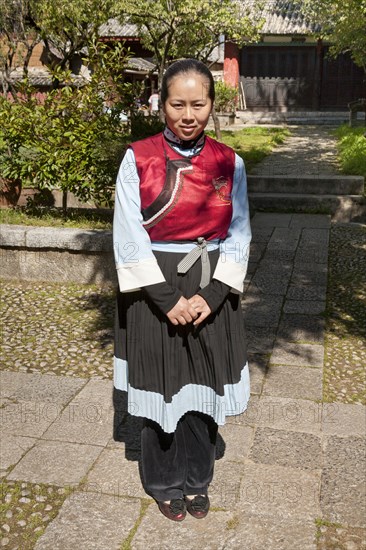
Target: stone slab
[[90, 522], [301, 328], [281, 413], [12, 381], [87, 240], [277, 255], [305, 355], [344, 420], [274, 282], [256, 251], [311, 236], [278, 491], [304, 277], [267, 533], [316, 256], [294, 449], [115, 475], [343, 498], [56, 462], [49, 388], [258, 366], [83, 421], [12, 235], [224, 490], [261, 234], [260, 339], [97, 391], [159, 533], [234, 442], [308, 307], [310, 220], [12, 449], [263, 312], [264, 219], [58, 266], [306, 292], [28, 418], [296, 383]]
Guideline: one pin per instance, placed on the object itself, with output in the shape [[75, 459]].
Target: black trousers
[[180, 463]]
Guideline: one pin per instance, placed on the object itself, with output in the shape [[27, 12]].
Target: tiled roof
[[41, 77], [140, 64], [114, 28], [283, 17]]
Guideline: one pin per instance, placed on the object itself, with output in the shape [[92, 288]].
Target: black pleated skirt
[[169, 370]]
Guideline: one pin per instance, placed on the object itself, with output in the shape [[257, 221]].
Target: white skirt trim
[[192, 397]]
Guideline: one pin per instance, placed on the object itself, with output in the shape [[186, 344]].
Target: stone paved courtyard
[[289, 472]]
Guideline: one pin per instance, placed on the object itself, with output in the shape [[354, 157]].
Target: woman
[[181, 240]]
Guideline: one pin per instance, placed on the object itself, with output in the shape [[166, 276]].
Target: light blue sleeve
[[135, 262], [234, 250]]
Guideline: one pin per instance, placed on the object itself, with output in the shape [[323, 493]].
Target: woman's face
[[188, 106]]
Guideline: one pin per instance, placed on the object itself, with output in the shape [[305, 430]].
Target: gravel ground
[[57, 329], [26, 511], [345, 358]]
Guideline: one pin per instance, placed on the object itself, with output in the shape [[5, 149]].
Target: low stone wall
[[57, 255]]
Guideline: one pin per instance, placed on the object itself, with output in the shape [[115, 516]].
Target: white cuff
[[232, 274], [133, 276]]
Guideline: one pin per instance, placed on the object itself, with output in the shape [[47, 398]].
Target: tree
[[73, 139], [19, 34], [343, 23], [66, 27], [173, 29]]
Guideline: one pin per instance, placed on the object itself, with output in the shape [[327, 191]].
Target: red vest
[[198, 201]]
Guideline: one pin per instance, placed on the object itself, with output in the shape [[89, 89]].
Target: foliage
[[66, 27], [253, 144], [225, 97], [173, 29], [343, 23], [70, 140], [145, 126], [352, 150]]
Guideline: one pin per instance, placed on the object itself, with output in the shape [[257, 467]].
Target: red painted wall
[[231, 64]]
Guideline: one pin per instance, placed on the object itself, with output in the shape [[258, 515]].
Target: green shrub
[[71, 140], [352, 150], [225, 97]]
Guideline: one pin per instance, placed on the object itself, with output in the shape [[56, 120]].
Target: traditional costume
[[181, 227]]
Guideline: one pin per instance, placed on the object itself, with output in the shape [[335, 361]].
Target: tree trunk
[[216, 121], [64, 204]]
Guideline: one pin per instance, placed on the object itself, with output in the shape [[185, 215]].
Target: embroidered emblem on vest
[[219, 185]]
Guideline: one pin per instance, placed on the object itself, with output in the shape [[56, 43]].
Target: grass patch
[[53, 217], [351, 150], [253, 144]]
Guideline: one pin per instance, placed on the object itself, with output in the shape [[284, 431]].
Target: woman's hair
[[185, 66]]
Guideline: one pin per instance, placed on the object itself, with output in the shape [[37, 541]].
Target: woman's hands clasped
[[185, 311]]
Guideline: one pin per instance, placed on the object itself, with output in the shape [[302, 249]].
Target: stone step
[[313, 185], [292, 117], [342, 208]]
